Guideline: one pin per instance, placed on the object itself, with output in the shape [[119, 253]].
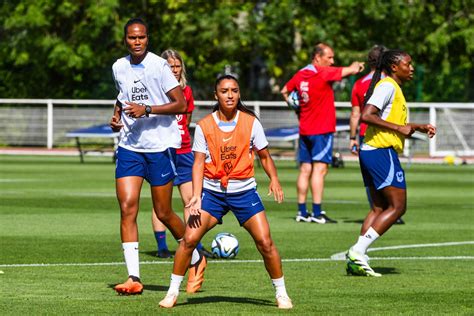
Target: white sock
[[175, 283], [280, 289], [365, 241], [130, 252], [195, 257]]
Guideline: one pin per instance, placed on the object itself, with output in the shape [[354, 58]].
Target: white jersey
[[146, 83], [258, 141]]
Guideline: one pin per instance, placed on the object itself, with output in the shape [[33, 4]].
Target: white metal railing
[[462, 133]]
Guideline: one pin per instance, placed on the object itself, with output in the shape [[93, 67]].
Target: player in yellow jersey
[[386, 114]]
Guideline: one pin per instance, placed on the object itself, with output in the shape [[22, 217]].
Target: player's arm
[[115, 121], [353, 69], [284, 92], [194, 204], [353, 124], [177, 105], [370, 115], [269, 166], [424, 128]]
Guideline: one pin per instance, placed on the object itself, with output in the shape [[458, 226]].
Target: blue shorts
[[381, 168], [184, 168], [243, 204], [315, 148], [156, 168]]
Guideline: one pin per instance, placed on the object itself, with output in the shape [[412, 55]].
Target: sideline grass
[[54, 210]]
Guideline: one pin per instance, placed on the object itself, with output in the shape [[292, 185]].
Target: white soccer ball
[[294, 100], [225, 245]]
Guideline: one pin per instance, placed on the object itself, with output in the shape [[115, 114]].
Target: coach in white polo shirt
[[148, 100]]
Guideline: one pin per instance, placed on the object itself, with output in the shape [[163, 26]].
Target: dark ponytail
[[384, 64], [240, 106]]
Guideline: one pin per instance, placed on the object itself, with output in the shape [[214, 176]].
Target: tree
[[65, 48]]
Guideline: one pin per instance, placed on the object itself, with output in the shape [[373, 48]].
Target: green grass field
[[60, 247]]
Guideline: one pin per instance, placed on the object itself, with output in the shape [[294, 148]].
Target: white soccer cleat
[[357, 264], [169, 301], [300, 218], [284, 302]]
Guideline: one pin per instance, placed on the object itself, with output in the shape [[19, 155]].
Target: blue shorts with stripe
[[315, 148], [243, 204], [157, 168], [381, 168], [184, 168]]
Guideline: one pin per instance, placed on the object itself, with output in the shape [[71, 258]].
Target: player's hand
[[134, 110], [275, 189], [406, 130], [115, 124], [429, 129], [194, 205], [354, 146]]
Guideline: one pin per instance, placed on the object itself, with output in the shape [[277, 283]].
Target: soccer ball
[[225, 245], [294, 100]]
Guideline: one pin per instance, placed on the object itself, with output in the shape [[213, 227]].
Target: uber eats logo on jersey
[[228, 152], [139, 94]]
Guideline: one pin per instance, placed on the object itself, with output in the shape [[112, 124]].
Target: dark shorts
[[381, 168], [184, 168], [243, 204], [156, 168], [315, 148]]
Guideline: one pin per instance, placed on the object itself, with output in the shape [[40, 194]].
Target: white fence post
[[50, 124], [432, 141], [256, 108]]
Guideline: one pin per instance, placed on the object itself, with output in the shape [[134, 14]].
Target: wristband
[[353, 137]]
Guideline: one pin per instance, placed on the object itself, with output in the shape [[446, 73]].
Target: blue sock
[[161, 240], [302, 209], [199, 246], [316, 209]]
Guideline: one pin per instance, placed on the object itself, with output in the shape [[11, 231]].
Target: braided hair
[[384, 64], [240, 106]]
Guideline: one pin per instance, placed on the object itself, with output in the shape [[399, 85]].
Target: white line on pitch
[[341, 255], [28, 265]]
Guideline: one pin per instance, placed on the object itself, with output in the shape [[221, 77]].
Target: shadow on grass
[[153, 254], [229, 299], [386, 270], [356, 221]]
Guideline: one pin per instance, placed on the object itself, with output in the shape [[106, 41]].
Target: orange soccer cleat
[[196, 275], [132, 286]]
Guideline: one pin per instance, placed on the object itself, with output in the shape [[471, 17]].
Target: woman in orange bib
[[223, 180]]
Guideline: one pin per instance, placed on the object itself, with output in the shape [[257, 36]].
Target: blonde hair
[[171, 53]]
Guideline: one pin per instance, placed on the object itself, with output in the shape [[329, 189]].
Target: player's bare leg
[[196, 228], [128, 195], [259, 229]]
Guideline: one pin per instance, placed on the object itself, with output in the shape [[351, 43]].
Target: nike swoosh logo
[[135, 81], [253, 204], [164, 175], [227, 139]]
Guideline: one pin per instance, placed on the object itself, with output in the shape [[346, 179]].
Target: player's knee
[[306, 169], [265, 246], [164, 215], [400, 209], [128, 208], [189, 243]]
